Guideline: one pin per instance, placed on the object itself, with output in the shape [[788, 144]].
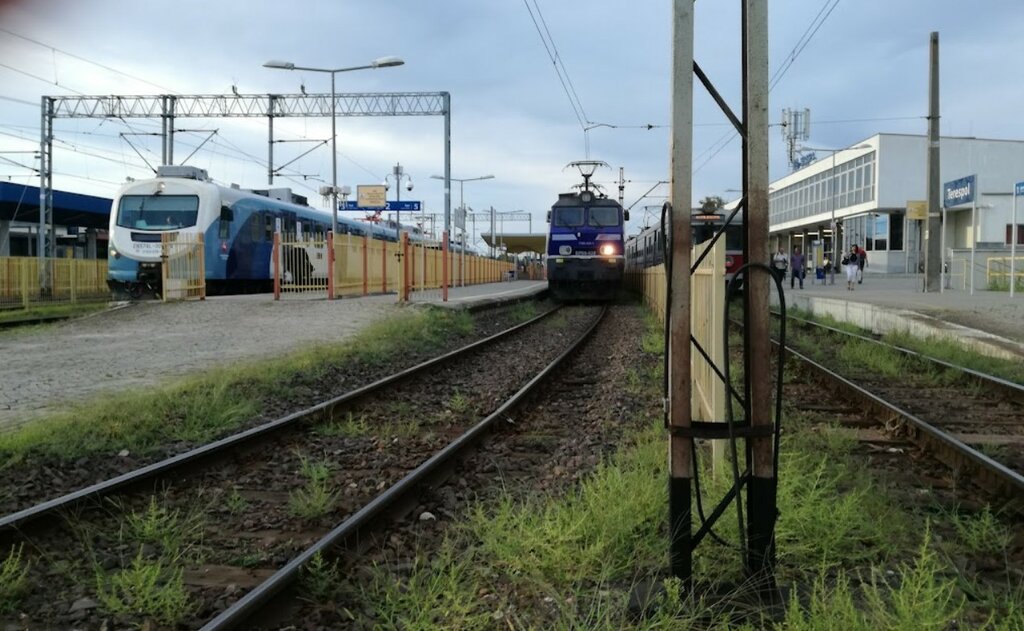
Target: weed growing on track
[[13, 579], [981, 533], [172, 531], [318, 496], [877, 360], [147, 589], [351, 426], [321, 579], [236, 503], [211, 403], [458, 404], [947, 350], [523, 311]]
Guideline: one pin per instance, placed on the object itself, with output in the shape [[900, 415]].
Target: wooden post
[[330, 265], [277, 265]]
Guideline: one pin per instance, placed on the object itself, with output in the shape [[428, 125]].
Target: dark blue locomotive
[[585, 246]]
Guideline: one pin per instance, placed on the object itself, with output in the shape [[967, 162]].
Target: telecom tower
[[796, 126]]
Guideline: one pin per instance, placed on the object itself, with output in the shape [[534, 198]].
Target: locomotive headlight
[[114, 254], [607, 249]]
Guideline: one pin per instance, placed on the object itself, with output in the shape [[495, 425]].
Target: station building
[[861, 194], [79, 222]]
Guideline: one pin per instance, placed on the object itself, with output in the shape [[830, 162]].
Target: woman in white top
[[851, 267]]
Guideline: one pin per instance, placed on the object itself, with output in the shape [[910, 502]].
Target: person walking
[[862, 261], [779, 263], [798, 267], [850, 265]]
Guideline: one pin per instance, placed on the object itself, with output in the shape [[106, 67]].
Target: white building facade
[[860, 194]]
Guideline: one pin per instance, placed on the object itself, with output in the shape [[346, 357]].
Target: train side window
[[268, 227], [255, 227], [226, 217]]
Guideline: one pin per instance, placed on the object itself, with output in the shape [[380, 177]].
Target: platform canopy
[[19, 202], [517, 242]]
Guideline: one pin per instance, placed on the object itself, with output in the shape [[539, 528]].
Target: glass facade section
[[849, 183]]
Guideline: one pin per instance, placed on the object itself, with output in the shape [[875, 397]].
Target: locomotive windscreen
[[158, 212]]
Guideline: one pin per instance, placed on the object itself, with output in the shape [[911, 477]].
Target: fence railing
[[183, 269], [997, 273], [707, 313], [28, 281], [352, 266]]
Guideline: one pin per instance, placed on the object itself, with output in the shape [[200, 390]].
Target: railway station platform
[[989, 322], [483, 296]]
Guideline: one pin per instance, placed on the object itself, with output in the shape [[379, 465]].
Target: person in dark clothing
[[862, 260], [797, 267]]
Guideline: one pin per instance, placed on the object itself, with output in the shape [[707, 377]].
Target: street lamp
[[397, 172], [381, 62], [832, 201], [462, 208]]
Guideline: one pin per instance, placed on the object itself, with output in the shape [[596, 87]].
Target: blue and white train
[[585, 247], [238, 227]]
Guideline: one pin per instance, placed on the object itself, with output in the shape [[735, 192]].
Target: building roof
[[19, 202]]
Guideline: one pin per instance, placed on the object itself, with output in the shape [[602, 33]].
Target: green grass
[[947, 350], [459, 403], [981, 533], [321, 579], [318, 496], [876, 360], [147, 589], [351, 426], [523, 311], [13, 579], [169, 529], [212, 403]]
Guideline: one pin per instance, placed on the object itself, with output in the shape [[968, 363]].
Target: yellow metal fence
[[183, 272], [997, 272], [26, 282]]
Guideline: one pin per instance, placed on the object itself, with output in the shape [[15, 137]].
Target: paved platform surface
[[885, 302], [144, 343]]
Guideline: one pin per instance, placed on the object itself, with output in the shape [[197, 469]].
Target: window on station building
[[1009, 234], [880, 232], [896, 224]]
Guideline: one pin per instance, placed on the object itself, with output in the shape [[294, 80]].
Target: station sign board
[[959, 191], [1018, 189], [371, 196], [394, 205], [917, 209]]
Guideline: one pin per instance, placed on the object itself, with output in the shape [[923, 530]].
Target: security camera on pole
[[397, 172]]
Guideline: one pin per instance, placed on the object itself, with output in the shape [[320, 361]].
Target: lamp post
[[381, 62], [397, 173], [832, 203], [462, 209]]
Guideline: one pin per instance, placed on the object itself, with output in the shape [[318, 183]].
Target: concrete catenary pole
[[933, 241]]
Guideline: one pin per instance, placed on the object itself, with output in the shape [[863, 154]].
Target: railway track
[[970, 421], [258, 465]]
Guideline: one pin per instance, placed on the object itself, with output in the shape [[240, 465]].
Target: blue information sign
[[406, 205], [1018, 189], [958, 191]]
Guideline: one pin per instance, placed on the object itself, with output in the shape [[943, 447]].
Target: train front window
[[158, 212], [602, 216], [567, 217]]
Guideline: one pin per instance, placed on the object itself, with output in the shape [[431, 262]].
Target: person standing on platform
[[779, 263], [850, 266], [862, 261], [798, 267]]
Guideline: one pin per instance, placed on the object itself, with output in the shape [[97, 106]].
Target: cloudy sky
[[863, 70]]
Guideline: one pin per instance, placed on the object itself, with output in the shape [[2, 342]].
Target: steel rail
[[16, 521], [245, 608], [1004, 479], [1015, 390]]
